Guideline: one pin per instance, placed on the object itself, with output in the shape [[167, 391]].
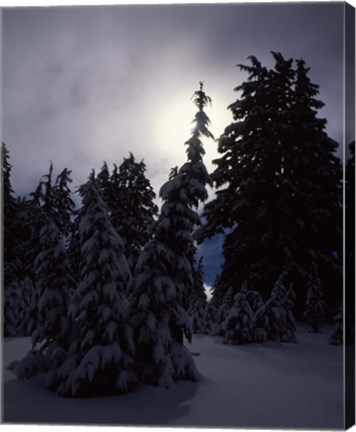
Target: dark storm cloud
[[87, 84]]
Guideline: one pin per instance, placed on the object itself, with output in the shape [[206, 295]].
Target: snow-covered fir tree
[[213, 306], [255, 301], [216, 328], [275, 316], [196, 176], [160, 322], [315, 306], [129, 197], [194, 170], [74, 233], [54, 199], [104, 186], [209, 317], [17, 297], [133, 208], [30, 296], [50, 200], [278, 197], [164, 272], [64, 203], [51, 337], [239, 324], [33, 219], [100, 359], [54, 283]]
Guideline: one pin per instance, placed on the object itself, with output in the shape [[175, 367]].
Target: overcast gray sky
[[86, 84]]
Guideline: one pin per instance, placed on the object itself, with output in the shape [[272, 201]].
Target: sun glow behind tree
[[174, 119]]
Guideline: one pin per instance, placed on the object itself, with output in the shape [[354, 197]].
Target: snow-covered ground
[[297, 385]]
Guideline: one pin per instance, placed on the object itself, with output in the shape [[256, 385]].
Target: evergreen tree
[[261, 323], [103, 183], [34, 219], [133, 209], [100, 359], [239, 324], [275, 316], [222, 312], [315, 305], [194, 171], [52, 336], [316, 172], [244, 177], [164, 274], [129, 197], [30, 219], [19, 297], [159, 320], [11, 299], [9, 220], [255, 300], [29, 315], [278, 180], [48, 202], [214, 305], [209, 317], [22, 234], [74, 234], [40, 207], [64, 204], [54, 200], [54, 284]]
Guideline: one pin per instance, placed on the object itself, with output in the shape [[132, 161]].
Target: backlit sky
[[86, 84]]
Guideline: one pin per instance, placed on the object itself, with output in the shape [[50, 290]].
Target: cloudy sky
[[86, 84]]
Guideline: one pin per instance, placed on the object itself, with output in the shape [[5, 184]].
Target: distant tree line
[[110, 291]]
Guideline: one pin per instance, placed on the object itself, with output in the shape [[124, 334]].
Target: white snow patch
[[271, 385], [208, 293]]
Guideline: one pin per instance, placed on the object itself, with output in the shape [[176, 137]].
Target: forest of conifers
[[111, 290]]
